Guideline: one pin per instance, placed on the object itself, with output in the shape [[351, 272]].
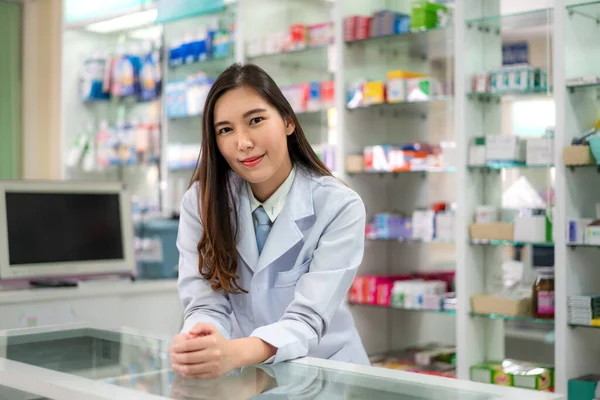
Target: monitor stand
[[52, 283]]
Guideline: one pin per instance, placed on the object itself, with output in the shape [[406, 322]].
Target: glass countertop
[[80, 362]]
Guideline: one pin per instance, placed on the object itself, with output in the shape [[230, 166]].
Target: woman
[[269, 241]]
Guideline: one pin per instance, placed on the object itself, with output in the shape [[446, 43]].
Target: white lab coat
[[298, 284]]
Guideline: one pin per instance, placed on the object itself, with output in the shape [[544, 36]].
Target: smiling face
[[252, 137]]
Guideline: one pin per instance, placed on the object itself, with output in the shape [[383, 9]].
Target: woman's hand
[[235, 386], [203, 353]]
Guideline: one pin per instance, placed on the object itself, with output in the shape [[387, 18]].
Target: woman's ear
[[290, 126]]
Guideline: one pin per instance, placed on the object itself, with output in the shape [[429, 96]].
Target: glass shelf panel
[[423, 310], [584, 326], [507, 165], [499, 95], [514, 318], [299, 52], [588, 9], [401, 103], [509, 243], [514, 22], [411, 240], [383, 173]]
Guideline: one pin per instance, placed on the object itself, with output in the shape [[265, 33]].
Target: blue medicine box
[[163, 233]]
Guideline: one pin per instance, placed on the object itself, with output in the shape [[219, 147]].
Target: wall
[[10, 90], [41, 139]]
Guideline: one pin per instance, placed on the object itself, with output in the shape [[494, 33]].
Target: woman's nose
[[244, 141]]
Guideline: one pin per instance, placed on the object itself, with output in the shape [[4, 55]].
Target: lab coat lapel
[[285, 232], [246, 243]]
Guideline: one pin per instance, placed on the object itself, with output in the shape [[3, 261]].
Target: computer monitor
[[68, 229]]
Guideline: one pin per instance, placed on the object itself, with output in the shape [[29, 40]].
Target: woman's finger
[[188, 370], [195, 344], [194, 357]]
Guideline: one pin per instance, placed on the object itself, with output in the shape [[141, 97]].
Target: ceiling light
[[131, 21]]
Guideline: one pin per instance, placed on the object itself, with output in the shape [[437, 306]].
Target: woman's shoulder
[[328, 189]]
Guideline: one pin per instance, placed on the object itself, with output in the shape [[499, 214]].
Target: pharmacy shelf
[[514, 318], [576, 86], [507, 165], [487, 96], [584, 326], [301, 52], [433, 99], [385, 173], [504, 23], [418, 310], [210, 63], [509, 243], [441, 33], [411, 240], [586, 9]]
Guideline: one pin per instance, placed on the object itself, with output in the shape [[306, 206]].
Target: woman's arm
[[201, 304], [321, 291]]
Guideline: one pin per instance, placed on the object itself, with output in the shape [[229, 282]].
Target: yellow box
[[401, 74], [374, 92]]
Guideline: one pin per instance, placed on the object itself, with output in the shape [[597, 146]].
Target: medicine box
[[532, 228], [373, 92], [592, 233], [585, 387], [540, 151], [477, 151], [490, 373], [576, 230], [500, 148], [423, 224], [396, 90]]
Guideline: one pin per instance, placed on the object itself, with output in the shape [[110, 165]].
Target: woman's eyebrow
[[246, 115], [253, 111]]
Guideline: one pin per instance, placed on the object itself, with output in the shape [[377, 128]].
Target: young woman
[[269, 241]]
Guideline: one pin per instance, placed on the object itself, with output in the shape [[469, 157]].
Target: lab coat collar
[[284, 234]]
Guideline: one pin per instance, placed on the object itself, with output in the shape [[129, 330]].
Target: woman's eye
[[222, 131], [255, 120]]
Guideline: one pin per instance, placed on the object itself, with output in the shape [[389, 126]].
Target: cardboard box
[[493, 304], [578, 155], [540, 151], [492, 231], [355, 164], [374, 92]]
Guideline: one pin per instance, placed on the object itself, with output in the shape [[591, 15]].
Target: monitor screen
[[62, 227]]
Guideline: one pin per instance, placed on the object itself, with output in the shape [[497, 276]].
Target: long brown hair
[[217, 247]]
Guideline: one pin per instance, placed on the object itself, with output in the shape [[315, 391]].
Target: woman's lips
[[252, 161]]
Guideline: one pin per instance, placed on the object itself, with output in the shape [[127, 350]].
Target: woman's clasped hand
[[202, 353]]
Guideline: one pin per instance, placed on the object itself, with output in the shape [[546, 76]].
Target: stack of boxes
[[515, 373], [296, 37], [584, 310]]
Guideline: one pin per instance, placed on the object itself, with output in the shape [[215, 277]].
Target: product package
[[500, 148], [540, 151], [514, 373], [585, 387]]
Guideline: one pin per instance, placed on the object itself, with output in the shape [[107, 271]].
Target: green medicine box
[[425, 15], [585, 387]]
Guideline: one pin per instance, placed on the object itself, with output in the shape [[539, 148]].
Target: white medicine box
[[540, 151], [504, 148], [592, 233], [477, 151]]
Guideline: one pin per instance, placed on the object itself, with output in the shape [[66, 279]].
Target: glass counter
[[84, 362]]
